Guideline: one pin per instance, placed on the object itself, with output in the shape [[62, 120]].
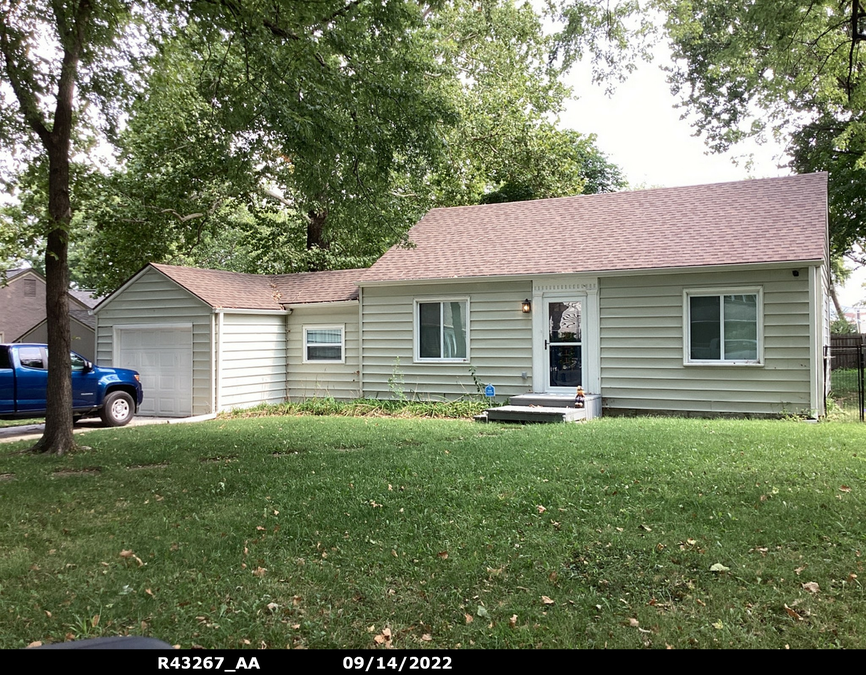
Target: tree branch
[[24, 91]]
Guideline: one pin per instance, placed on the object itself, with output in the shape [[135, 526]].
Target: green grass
[[320, 532]]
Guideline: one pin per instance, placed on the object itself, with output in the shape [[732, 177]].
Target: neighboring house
[[708, 299], [22, 312]]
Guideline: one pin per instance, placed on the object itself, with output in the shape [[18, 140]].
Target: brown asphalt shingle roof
[[756, 221], [236, 290]]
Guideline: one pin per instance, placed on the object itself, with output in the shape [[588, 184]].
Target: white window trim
[[417, 329], [727, 290], [335, 326]]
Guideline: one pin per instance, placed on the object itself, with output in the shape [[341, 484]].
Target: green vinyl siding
[[642, 349], [321, 379], [500, 341], [253, 360]]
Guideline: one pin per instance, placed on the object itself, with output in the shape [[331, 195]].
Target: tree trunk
[[839, 313], [57, 438], [316, 230]]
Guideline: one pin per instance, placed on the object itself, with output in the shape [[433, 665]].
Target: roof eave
[[808, 262]]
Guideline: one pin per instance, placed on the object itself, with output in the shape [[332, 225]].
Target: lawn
[[331, 532]]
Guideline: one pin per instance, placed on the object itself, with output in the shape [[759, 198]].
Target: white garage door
[[163, 357]]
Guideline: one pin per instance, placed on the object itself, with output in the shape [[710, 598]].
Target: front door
[[563, 344]]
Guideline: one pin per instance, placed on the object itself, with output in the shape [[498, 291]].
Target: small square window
[[324, 344], [723, 326]]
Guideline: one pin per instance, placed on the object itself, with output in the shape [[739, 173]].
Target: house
[[707, 300], [22, 312]]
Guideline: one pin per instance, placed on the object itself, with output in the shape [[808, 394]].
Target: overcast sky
[[640, 130]]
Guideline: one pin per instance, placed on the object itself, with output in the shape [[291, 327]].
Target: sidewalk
[[32, 432]]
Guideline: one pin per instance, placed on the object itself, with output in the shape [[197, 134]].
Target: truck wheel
[[117, 409]]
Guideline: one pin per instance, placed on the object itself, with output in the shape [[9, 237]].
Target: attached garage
[[162, 354], [209, 340]]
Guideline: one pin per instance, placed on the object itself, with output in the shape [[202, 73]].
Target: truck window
[[31, 357], [4, 358]]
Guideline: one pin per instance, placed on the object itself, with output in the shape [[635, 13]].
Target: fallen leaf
[[718, 625], [540, 508], [811, 586], [126, 555], [47, 613], [718, 567], [799, 569], [792, 613], [552, 577], [634, 623], [38, 643], [547, 601], [260, 528], [259, 571], [512, 622], [443, 555], [482, 611], [427, 637], [273, 607], [149, 592], [645, 528], [469, 618], [844, 488]]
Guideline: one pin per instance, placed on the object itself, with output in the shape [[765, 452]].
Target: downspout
[[287, 380], [219, 361], [213, 364], [360, 342]]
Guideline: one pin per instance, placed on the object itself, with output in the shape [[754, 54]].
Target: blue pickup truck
[[112, 393]]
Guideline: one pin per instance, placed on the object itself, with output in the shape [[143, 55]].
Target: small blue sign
[[490, 391]]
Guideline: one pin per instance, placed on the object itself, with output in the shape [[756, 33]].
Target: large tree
[[56, 55], [198, 184]]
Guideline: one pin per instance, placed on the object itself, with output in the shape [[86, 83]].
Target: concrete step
[[592, 404], [533, 413]]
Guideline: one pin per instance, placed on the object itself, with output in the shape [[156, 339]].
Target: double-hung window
[[324, 344], [723, 326], [442, 330]]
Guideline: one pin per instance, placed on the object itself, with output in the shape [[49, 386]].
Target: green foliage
[[398, 406], [396, 382], [276, 146], [785, 67], [841, 326]]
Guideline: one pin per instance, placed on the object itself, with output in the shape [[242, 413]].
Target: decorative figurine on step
[[580, 398]]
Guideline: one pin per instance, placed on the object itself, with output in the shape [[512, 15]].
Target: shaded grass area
[[321, 532], [20, 423]]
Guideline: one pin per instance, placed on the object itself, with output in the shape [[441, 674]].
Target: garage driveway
[[34, 431]]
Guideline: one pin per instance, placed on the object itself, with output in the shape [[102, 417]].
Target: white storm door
[[563, 344]]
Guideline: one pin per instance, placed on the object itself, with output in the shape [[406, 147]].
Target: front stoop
[[528, 408]]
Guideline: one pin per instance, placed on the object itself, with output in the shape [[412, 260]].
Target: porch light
[[526, 307]]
